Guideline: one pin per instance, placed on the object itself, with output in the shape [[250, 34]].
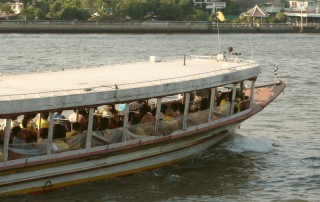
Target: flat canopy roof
[[108, 75], [72, 88]]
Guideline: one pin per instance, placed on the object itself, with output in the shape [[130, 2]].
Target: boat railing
[[116, 138], [224, 69]]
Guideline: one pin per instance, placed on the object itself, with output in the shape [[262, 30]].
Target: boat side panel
[[112, 167]]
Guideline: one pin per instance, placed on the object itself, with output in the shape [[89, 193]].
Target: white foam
[[249, 143]]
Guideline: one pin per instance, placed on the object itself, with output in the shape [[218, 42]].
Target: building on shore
[[211, 5]]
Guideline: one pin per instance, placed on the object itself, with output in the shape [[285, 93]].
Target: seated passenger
[[58, 115], [43, 120], [168, 123], [111, 113], [224, 98], [134, 106], [245, 104], [58, 136], [76, 129], [237, 105], [17, 137], [14, 122], [174, 110], [225, 108], [43, 134], [145, 115], [108, 111], [28, 125]]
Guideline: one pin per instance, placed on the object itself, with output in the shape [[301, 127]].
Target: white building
[[212, 5]]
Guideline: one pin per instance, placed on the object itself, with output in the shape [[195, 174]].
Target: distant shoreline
[[148, 27]]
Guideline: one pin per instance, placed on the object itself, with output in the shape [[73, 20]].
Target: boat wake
[[240, 143]]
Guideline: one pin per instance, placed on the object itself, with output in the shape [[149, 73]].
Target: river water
[[274, 156]]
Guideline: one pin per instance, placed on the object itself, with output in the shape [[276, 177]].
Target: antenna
[[218, 33]]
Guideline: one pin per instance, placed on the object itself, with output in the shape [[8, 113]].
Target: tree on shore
[[112, 9], [5, 8]]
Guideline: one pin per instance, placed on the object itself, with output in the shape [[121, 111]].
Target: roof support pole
[[50, 133], [125, 122], [252, 93], [234, 90], [6, 140], [39, 125], [158, 113], [89, 131], [212, 103], [186, 110]]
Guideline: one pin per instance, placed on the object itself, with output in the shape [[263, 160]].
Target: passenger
[[14, 122], [145, 115], [59, 135], [104, 123], [76, 129], [134, 106], [17, 138], [58, 131], [2, 134], [169, 123], [205, 104], [245, 104], [225, 107], [30, 139], [73, 117], [84, 119], [43, 134], [174, 110], [108, 111], [28, 124], [58, 115], [237, 105], [111, 113], [43, 120], [135, 128], [224, 98]]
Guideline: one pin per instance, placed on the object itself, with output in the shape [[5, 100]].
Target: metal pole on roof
[[218, 32], [301, 25]]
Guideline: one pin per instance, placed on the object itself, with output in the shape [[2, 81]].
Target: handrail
[[130, 85]]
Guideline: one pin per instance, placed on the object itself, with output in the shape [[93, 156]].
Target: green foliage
[[169, 12], [32, 13], [5, 8], [200, 16], [72, 13], [120, 9], [137, 10]]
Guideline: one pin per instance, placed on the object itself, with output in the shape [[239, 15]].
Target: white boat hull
[[54, 177]]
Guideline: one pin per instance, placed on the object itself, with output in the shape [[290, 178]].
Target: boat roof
[[117, 83]]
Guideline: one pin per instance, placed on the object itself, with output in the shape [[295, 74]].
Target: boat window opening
[[107, 126]]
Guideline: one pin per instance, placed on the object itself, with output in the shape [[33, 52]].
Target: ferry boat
[[120, 119]]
